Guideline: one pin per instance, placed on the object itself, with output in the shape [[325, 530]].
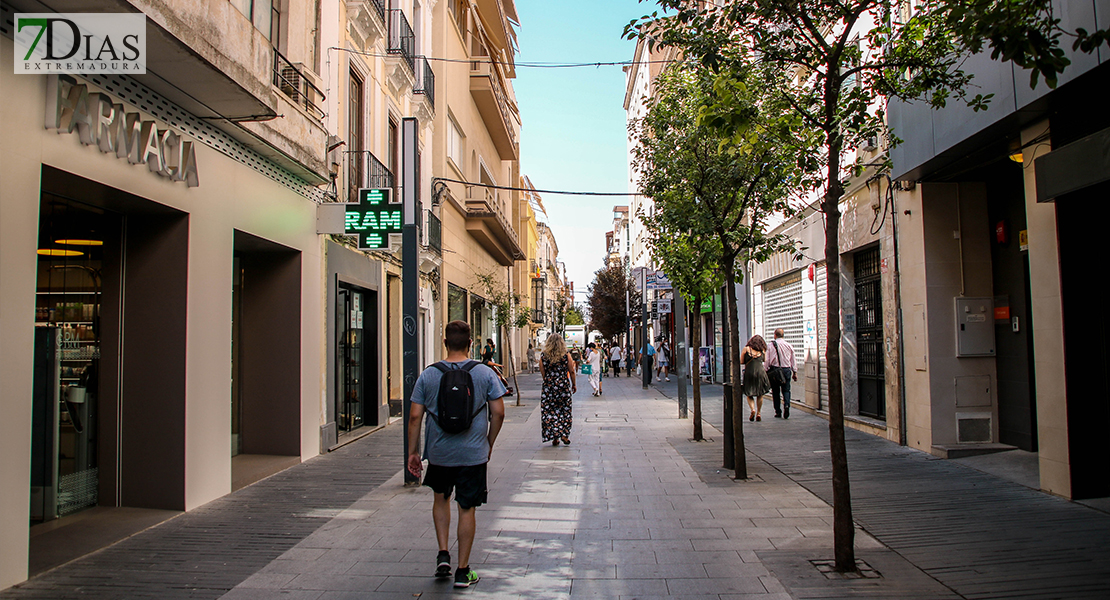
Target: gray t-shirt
[[470, 447]]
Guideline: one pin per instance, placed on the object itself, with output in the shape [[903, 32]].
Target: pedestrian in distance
[[615, 356], [531, 355], [630, 359], [464, 403], [781, 370], [647, 358], [487, 359], [557, 367], [593, 361], [663, 360], [755, 381]]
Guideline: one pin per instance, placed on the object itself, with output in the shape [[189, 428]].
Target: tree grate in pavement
[[207, 551]]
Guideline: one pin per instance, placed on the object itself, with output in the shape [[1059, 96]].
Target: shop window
[[456, 303]]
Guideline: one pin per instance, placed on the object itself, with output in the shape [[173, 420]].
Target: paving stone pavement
[[632, 509], [978, 534]]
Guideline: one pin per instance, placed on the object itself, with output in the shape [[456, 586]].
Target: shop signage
[[664, 306], [373, 218], [83, 43], [658, 280], [116, 129]]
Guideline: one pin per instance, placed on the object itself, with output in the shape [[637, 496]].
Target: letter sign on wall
[[373, 219]]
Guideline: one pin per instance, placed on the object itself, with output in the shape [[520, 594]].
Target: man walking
[[456, 461], [615, 356], [781, 369], [531, 359], [647, 357]]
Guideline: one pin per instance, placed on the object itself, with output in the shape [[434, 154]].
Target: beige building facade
[[160, 268]]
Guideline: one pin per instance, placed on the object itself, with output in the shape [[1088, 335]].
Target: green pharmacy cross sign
[[373, 219]]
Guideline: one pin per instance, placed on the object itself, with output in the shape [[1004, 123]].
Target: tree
[[843, 59], [720, 192], [511, 313], [610, 294], [574, 316]]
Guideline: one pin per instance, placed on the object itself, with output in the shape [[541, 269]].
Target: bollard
[[730, 456]]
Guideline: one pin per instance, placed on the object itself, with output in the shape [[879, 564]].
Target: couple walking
[[768, 370]]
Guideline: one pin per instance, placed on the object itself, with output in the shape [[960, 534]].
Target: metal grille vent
[[136, 94], [782, 307]]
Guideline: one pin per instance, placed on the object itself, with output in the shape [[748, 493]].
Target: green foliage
[[715, 176], [574, 316], [607, 300]]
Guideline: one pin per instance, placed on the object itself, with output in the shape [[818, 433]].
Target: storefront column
[[19, 207], [1048, 339]]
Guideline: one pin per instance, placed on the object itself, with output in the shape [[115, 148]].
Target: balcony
[[538, 316], [366, 21], [400, 57], [489, 227], [424, 90], [293, 83], [366, 171], [493, 104]]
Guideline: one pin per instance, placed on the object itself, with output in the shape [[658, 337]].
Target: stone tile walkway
[[632, 509]]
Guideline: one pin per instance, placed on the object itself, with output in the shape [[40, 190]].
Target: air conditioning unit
[[291, 82]]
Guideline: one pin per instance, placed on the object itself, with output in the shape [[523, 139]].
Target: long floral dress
[[555, 400]]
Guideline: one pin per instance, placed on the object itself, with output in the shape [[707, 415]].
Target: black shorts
[[468, 483]]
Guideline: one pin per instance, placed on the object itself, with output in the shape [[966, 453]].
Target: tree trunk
[[695, 368], [737, 399], [843, 527]]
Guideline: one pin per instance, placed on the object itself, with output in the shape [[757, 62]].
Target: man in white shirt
[[615, 356], [780, 357]]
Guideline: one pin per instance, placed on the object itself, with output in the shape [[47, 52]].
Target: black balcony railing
[[537, 316], [425, 80], [402, 41], [366, 171], [293, 83], [379, 6], [435, 233]]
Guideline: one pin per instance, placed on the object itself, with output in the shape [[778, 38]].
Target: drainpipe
[[903, 438]]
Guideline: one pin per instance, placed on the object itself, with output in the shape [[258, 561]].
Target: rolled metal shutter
[[820, 283], [782, 307]]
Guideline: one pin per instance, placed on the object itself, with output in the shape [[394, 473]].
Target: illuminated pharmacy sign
[[373, 219]]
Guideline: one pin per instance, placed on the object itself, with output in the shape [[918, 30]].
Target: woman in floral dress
[[557, 368]]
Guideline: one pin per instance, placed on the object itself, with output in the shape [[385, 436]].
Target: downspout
[[903, 438]]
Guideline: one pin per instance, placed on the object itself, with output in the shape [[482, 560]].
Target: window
[[391, 153], [456, 303], [354, 135], [455, 144], [264, 14], [459, 10]]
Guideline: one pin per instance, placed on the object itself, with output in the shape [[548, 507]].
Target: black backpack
[[456, 398]]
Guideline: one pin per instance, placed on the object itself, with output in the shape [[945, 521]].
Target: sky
[[573, 134]]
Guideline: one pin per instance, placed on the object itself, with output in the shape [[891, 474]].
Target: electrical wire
[[520, 189], [525, 64]]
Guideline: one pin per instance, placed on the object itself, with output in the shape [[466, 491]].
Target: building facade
[[160, 283]]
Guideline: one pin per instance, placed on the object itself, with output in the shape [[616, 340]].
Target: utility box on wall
[[974, 327]]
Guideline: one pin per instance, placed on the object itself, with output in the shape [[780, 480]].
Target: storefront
[[159, 295]]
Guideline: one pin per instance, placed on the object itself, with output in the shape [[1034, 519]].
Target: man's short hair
[[780, 333], [456, 336]]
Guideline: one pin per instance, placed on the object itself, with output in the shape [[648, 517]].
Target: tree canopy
[[607, 300]]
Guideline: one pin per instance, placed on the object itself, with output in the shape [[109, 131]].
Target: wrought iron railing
[[402, 41], [486, 68], [537, 316], [366, 171], [435, 233], [293, 83], [425, 81], [379, 6]]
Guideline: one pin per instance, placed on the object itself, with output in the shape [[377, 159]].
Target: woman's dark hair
[[591, 345], [757, 343]]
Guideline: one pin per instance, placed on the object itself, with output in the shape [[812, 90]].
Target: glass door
[[350, 383]]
